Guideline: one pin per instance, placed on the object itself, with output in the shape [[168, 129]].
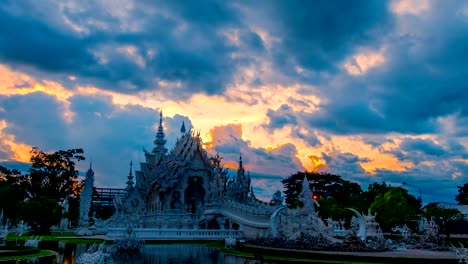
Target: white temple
[[188, 190]]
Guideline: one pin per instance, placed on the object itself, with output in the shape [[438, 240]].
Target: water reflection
[[162, 254]]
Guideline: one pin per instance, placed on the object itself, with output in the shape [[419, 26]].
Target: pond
[[161, 254]]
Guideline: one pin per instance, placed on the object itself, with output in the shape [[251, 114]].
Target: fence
[[176, 234]]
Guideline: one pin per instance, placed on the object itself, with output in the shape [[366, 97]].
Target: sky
[[371, 90]]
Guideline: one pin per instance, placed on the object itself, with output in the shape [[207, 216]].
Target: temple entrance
[[194, 194], [176, 203]]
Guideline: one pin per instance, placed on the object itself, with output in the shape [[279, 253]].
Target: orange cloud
[[360, 63], [317, 163], [10, 81], [20, 151]]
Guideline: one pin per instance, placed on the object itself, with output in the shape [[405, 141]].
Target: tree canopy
[[393, 205], [392, 208], [35, 196], [462, 196], [12, 192], [54, 174], [324, 185]]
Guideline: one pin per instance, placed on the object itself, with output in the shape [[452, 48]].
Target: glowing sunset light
[[290, 87]]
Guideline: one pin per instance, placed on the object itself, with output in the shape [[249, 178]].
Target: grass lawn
[[67, 238], [42, 253]]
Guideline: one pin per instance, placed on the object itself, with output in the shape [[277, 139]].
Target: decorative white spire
[[90, 172], [306, 197], [86, 196], [160, 140], [130, 178]]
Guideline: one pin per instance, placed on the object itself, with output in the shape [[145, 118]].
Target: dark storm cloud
[[309, 137], [284, 116], [422, 79], [183, 43], [345, 164], [445, 175], [419, 150], [110, 135], [28, 40], [115, 135], [227, 140], [35, 119], [425, 146], [318, 34], [435, 184]]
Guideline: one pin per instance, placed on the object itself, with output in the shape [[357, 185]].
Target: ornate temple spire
[[160, 140], [130, 178], [86, 197], [240, 170], [182, 129], [90, 172]]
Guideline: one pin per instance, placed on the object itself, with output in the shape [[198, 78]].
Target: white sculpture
[[85, 203], [296, 224]]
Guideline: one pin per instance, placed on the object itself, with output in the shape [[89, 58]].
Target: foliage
[[54, 174], [35, 197], [41, 213], [73, 210], [52, 179], [441, 213], [363, 201], [330, 208], [324, 185], [462, 196], [12, 193], [392, 208]]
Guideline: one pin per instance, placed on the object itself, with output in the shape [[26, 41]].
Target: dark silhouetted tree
[[462, 196], [12, 193], [51, 179], [392, 208], [363, 201], [324, 185]]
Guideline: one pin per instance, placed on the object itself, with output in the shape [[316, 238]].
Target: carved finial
[[130, 177], [160, 140], [182, 129]]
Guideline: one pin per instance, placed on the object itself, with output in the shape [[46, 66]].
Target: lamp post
[[419, 188]]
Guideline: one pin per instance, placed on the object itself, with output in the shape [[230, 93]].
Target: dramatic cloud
[[279, 161], [370, 90]]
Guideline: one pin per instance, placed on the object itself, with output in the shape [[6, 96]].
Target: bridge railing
[[176, 234]]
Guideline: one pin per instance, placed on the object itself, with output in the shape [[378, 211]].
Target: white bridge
[[235, 220]]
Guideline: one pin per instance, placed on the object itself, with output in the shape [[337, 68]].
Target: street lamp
[[419, 188]]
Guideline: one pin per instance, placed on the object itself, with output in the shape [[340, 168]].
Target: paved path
[[408, 253]]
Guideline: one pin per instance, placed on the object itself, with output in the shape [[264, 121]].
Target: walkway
[[402, 256]]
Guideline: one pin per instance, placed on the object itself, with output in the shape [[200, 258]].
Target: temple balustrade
[[258, 208], [174, 212], [175, 234]]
